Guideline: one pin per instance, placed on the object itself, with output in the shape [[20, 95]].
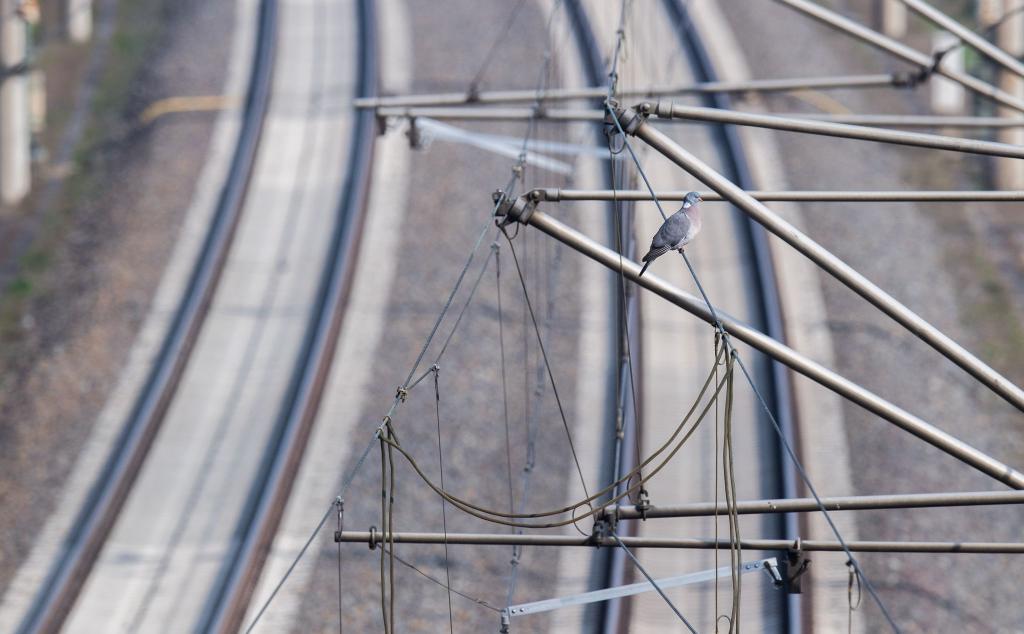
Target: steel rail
[[924, 62], [775, 378], [555, 194], [610, 568], [108, 494], [599, 92], [268, 496], [375, 538], [818, 254], [827, 128], [979, 43], [809, 505], [779, 351]]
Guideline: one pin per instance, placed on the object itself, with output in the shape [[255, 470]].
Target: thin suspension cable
[[654, 584], [504, 379], [316, 530], [474, 84], [465, 307], [810, 487], [410, 565], [341, 527], [547, 365], [444, 516]]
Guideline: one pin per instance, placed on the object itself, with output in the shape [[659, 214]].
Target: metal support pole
[[15, 141], [599, 92], [494, 114], [916, 121], [798, 362], [826, 128], [375, 538], [924, 62], [555, 195], [966, 35], [809, 505], [1010, 37], [78, 20], [821, 256], [777, 121]]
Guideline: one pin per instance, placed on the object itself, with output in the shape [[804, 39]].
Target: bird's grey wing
[[672, 232]]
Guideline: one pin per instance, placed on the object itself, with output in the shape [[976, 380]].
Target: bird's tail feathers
[[647, 263]]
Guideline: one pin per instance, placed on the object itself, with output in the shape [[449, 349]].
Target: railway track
[[268, 495], [615, 614], [107, 496], [267, 491]]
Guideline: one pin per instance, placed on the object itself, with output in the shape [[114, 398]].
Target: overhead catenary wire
[[500, 517], [654, 584]]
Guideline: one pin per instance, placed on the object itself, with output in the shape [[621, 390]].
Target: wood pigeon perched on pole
[[677, 231]]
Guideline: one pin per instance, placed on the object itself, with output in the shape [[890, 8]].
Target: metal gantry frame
[[926, 63], [635, 124], [523, 211]]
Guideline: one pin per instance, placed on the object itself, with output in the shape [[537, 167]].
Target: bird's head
[[691, 199]]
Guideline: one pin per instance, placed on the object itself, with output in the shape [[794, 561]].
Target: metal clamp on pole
[[514, 210], [604, 528], [793, 568]]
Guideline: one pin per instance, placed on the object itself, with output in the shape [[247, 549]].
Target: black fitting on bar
[[373, 538], [629, 118], [604, 528], [517, 210], [793, 568]]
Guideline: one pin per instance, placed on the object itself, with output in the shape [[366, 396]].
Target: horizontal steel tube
[[809, 505], [495, 114], [976, 41], [841, 130], [556, 195], [511, 539], [915, 121], [907, 54], [830, 263], [798, 362], [597, 92]]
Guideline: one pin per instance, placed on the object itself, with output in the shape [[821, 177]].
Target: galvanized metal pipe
[[556, 195], [826, 128], [915, 121], [779, 351], [825, 259], [809, 505], [494, 114], [836, 21], [489, 113], [979, 43], [599, 92], [376, 538]]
